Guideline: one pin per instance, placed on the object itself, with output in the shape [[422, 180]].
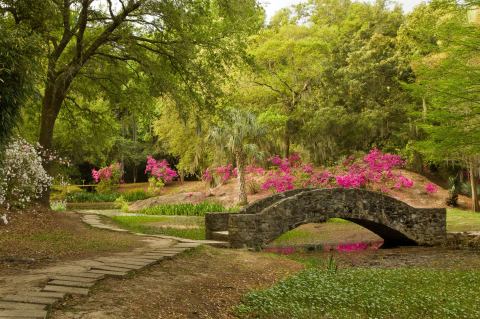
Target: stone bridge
[[395, 221]]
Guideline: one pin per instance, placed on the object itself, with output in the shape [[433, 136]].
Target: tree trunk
[[473, 184], [51, 104], [242, 189], [287, 142]]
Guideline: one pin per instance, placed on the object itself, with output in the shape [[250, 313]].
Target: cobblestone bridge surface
[[395, 221]]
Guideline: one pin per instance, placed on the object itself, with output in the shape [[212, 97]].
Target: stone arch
[[395, 221]]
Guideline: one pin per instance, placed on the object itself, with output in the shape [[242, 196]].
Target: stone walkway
[[93, 218], [33, 295]]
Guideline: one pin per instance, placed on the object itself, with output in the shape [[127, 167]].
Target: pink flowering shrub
[[219, 175], [375, 170], [431, 188], [160, 170], [107, 178], [160, 174]]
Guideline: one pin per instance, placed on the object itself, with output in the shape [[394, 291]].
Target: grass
[[57, 236], [368, 293], [186, 209], [460, 220], [163, 225], [91, 197]]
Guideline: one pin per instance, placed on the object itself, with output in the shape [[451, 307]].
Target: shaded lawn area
[[190, 227], [52, 236]]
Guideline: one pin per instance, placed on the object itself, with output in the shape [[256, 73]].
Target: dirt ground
[[36, 238], [205, 283], [209, 282]]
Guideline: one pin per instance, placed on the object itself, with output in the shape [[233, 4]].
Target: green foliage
[[83, 196], [133, 196], [18, 51], [183, 209], [368, 293], [58, 206]]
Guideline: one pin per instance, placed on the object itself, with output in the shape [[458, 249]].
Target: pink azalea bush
[[219, 175], [107, 177], [160, 173], [160, 170], [431, 188], [374, 170]]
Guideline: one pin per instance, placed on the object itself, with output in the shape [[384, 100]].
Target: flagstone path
[[32, 295]]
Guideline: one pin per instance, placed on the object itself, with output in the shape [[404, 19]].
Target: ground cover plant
[[186, 209], [368, 293], [83, 196]]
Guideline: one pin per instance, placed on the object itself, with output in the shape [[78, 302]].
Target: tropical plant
[[238, 136]]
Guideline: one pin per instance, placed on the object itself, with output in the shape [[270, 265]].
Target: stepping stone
[[111, 268], [30, 299], [86, 275], [40, 314], [160, 255], [71, 283], [45, 294], [21, 305], [125, 261], [75, 279], [187, 245], [170, 250], [69, 290], [110, 273], [121, 265]]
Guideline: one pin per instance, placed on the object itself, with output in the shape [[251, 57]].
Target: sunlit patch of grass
[[185, 209], [460, 220], [368, 293], [164, 225]]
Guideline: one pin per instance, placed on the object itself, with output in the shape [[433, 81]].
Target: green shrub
[[83, 197], [135, 195], [184, 209], [368, 293], [58, 205]]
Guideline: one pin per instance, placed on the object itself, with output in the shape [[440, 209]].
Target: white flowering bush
[[22, 176]]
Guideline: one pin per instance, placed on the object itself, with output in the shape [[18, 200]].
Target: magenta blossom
[[431, 188], [160, 169]]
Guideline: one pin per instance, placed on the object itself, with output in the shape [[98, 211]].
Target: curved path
[[32, 295]]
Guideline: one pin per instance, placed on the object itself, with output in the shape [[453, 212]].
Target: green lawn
[[368, 293], [190, 227], [460, 220]]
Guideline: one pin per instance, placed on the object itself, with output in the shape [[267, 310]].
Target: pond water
[[326, 247]]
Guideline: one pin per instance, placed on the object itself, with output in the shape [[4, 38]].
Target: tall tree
[[445, 44], [182, 45], [17, 71]]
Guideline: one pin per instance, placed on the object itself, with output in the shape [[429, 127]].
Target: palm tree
[[238, 135]]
